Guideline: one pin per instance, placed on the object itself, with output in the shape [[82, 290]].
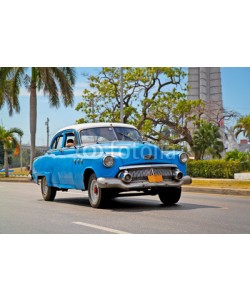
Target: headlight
[[108, 161], [183, 157]]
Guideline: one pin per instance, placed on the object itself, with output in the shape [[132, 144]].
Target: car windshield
[[109, 134]]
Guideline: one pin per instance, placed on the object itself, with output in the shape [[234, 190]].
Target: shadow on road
[[134, 205]]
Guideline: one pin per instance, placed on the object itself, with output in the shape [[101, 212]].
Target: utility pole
[[47, 124], [121, 98]]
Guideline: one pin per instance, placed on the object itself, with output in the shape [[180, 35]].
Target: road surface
[[22, 210]]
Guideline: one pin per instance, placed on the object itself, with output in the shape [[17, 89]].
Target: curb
[[15, 180], [221, 191]]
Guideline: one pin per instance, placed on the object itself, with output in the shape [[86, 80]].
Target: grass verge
[[221, 183]]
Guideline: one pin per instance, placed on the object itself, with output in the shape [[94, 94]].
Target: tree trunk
[[21, 155], [6, 163], [33, 117]]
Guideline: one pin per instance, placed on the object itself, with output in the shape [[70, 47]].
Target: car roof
[[79, 127]]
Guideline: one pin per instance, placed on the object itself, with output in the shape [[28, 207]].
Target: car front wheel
[[170, 195], [48, 192], [97, 197]]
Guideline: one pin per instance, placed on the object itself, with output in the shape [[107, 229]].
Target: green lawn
[[17, 171]]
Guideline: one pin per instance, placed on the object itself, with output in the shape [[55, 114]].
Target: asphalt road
[[22, 210]]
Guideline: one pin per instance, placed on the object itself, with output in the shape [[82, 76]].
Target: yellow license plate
[[155, 178]]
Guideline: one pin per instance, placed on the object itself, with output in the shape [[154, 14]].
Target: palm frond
[[65, 79], [70, 74], [15, 130], [26, 81], [49, 86], [10, 82], [7, 137], [6, 97], [5, 74]]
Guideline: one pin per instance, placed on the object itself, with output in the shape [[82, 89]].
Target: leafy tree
[[243, 125], [26, 158], [7, 137], [207, 140], [154, 101], [50, 80]]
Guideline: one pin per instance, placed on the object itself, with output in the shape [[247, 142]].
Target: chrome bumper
[[109, 183]]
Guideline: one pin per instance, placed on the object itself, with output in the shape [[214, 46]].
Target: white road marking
[[101, 228]]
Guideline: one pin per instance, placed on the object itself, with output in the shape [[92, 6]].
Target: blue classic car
[[108, 159]]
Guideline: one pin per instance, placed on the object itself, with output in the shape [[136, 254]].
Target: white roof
[[79, 127]]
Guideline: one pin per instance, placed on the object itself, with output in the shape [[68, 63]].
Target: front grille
[[142, 174]]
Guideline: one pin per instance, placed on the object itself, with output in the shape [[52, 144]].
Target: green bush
[[237, 155], [218, 168]]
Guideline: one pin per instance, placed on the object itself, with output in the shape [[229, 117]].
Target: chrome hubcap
[[94, 191], [44, 186]]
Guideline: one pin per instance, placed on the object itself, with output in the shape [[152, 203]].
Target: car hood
[[131, 153]]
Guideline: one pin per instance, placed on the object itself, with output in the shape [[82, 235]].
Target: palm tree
[[5, 97], [243, 125], [207, 140], [9, 143], [50, 80]]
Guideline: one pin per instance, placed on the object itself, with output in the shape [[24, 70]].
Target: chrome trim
[[149, 157], [180, 158], [122, 176], [148, 166], [117, 183], [186, 180], [176, 174], [106, 157]]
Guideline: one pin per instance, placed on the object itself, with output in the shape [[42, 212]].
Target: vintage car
[[108, 159]]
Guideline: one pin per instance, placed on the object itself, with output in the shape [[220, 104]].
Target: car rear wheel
[[97, 197], [48, 192], [170, 195]]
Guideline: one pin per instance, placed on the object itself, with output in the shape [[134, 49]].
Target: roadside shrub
[[243, 157], [218, 168], [237, 155]]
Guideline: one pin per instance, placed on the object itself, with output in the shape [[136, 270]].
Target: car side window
[[70, 140], [57, 144]]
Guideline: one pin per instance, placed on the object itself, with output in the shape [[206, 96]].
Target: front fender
[[38, 176], [42, 166], [95, 165]]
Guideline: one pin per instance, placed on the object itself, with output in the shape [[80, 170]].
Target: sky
[[235, 94]]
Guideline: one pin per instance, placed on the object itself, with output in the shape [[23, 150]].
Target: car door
[[54, 159], [66, 158]]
